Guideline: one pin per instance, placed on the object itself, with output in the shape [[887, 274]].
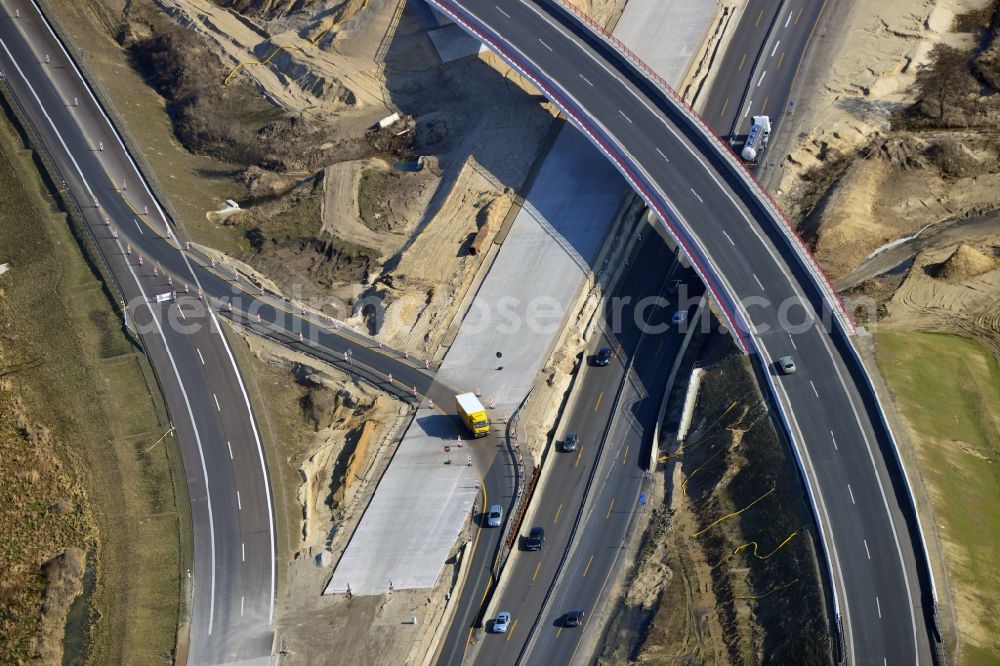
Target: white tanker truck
[[760, 133]]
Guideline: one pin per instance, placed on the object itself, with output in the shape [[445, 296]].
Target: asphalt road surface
[[776, 306], [233, 581]]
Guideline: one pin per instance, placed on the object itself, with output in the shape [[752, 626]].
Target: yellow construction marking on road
[[598, 403], [798, 15], [558, 513], [475, 544], [763, 108], [558, 631], [537, 569], [759, 16], [608, 514], [781, 59], [725, 105], [578, 454], [587, 568], [743, 61], [625, 457], [511, 630]]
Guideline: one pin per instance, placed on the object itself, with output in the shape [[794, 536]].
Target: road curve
[[233, 578], [777, 303]]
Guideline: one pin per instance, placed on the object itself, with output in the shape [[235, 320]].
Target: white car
[[680, 317], [502, 622]]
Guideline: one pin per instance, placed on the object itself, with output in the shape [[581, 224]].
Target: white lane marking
[[834, 441], [696, 194], [239, 503], [759, 283], [867, 552], [775, 48], [761, 79], [788, 20], [200, 356], [241, 606], [771, 251], [137, 226], [747, 112], [217, 402], [181, 310], [851, 492], [662, 154], [624, 116], [791, 338], [729, 238], [159, 328], [545, 45], [230, 447], [815, 392], [502, 11], [587, 80], [243, 552], [878, 606]]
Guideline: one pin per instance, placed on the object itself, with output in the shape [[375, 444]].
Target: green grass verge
[[90, 390], [947, 389]]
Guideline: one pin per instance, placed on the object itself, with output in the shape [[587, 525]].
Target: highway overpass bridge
[[773, 297]]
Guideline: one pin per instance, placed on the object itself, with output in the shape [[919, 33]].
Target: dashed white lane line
[[241, 606], [137, 226], [181, 310], [834, 439], [662, 154], [624, 116], [200, 356], [545, 45], [815, 392], [239, 504], [851, 493], [587, 80], [696, 195], [791, 338], [729, 238], [230, 447], [788, 20], [243, 552], [774, 50], [867, 552], [878, 607], [217, 406], [761, 79], [502, 11], [759, 283], [747, 112]]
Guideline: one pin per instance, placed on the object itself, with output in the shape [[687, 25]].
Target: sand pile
[[965, 263]]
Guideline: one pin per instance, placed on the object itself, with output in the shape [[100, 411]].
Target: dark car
[[603, 357], [536, 537], [571, 442], [574, 618]]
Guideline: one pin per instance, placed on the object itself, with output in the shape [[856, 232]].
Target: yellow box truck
[[473, 414]]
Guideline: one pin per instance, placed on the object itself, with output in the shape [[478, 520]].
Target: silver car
[[787, 364], [502, 622], [494, 516]]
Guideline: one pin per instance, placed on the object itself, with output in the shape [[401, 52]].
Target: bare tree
[[945, 77]]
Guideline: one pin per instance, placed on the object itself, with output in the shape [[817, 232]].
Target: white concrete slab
[[665, 34], [421, 503], [453, 43]]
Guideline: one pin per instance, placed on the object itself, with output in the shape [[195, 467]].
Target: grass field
[[947, 389], [67, 365]]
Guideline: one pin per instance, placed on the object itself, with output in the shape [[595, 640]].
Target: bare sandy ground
[[886, 195]]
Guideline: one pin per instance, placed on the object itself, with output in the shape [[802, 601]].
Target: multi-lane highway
[[775, 301], [233, 581]]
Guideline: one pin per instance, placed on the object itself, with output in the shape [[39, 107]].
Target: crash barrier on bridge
[[779, 231], [723, 150]]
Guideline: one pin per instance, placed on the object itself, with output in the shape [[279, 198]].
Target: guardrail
[[107, 106], [842, 323]]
